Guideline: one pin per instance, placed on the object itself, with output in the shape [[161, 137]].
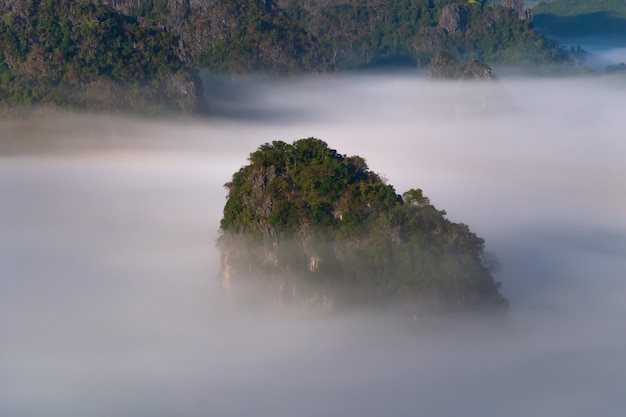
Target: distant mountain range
[[143, 55]]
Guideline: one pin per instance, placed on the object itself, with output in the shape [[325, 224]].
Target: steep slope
[[309, 228]]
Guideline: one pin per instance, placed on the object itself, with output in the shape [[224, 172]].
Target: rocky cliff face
[[445, 66], [471, 87], [453, 18], [186, 92]]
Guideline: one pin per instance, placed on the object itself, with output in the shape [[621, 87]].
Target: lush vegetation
[[130, 54], [82, 54], [356, 33], [287, 36], [310, 221]]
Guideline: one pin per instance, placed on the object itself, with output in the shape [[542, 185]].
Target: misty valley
[[312, 208], [110, 297]]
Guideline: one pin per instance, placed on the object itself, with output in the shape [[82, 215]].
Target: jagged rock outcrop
[[307, 228], [444, 66], [462, 98], [518, 6], [453, 18], [187, 93], [477, 70]]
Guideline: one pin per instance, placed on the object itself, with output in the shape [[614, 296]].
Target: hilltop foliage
[[312, 223]]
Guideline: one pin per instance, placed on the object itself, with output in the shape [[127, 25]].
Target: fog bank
[[109, 303]]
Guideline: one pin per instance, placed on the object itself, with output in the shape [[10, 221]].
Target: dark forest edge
[[144, 56]]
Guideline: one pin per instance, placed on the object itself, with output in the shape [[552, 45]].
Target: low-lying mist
[[109, 303]]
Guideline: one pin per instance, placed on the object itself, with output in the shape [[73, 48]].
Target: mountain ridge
[[144, 56]]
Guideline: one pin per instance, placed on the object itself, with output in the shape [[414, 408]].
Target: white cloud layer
[[108, 299]]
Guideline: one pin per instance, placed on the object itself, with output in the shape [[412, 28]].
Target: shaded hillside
[[307, 227], [357, 33], [82, 54]]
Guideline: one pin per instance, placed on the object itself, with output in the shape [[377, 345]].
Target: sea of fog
[[109, 304], [600, 52]]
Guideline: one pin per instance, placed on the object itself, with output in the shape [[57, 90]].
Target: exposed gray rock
[[463, 98], [453, 18], [478, 71], [429, 39], [187, 93], [518, 6], [445, 66]]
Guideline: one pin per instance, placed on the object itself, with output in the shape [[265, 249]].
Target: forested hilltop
[[143, 55], [309, 228]]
